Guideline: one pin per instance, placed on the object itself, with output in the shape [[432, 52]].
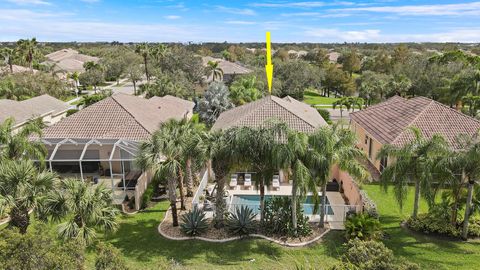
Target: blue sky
[[237, 21]]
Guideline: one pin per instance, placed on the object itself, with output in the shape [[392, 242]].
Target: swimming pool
[[253, 202]]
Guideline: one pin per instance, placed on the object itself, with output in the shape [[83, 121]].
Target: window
[[366, 139]]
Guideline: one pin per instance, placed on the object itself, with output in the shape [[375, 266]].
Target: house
[[169, 100], [69, 60], [297, 115], [388, 123], [99, 143], [230, 69], [15, 69], [50, 109]]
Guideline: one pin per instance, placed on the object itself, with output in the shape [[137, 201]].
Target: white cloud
[[317, 14], [238, 11], [241, 22], [29, 2], [340, 36], [472, 8], [302, 4], [172, 17]]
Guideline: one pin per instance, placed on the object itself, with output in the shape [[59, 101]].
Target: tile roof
[[388, 121], [297, 115], [25, 110], [227, 66], [16, 69], [70, 60], [169, 100], [120, 116]]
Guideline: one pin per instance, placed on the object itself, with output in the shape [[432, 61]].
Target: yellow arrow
[[269, 66]]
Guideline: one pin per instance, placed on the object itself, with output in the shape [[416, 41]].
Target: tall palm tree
[[414, 162], [159, 52], [334, 146], [162, 154], [82, 207], [356, 102], [214, 70], [144, 51], [23, 188], [28, 49], [342, 102], [17, 144], [193, 150], [75, 77], [8, 55]]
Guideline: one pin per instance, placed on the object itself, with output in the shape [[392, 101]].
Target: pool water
[[253, 202]]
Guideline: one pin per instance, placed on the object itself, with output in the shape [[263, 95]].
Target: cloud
[[30, 2], [472, 8], [349, 36], [317, 14], [172, 17], [241, 22], [238, 11], [302, 4]]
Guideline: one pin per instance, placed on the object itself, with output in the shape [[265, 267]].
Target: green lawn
[[313, 98], [429, 252], [144, 248]]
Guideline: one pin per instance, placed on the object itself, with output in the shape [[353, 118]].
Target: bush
[[474, 228], [362, 226], [71, 111], [109, 258], [194, 222], [325, 115], [371, 255], [437, 220], [241, 221], [147, 195], [278, 218]]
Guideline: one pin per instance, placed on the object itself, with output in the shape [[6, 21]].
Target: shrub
[[371, 255], [194, 222], [147, 195], [109, 258], [241, 221], [362, 226], [474, 228], [71, 111], [278, 218], [325, 115], [437, 220]]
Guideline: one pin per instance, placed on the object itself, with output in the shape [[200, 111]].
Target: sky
[[325, 21]]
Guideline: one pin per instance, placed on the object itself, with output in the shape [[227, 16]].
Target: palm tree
[[214, 70], [28, 49], [162, 154], [82, 207], [193, 150], [17, 144], [334, 146], [23, 188], [159, 52], [144, 51], [91, 65], [356, 102], [414, 162], [8, 55], [75, 77], [342, 102]]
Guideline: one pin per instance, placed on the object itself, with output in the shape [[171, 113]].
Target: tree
[[338, 81], [193, 150], [93, 77], [334, 146], [214, 70], [244, 90], [134, 74], [144, 51], [75, 77], [28, 48], [17, 145], [414, 162], [8, 55], [296, 76], [399, 85], [162, 154], [318, 57], [372, 86], [473, 103], [166, 83], [215, 101], [350, 61], [24, 188], [109, 258], [400, 54], [342, 102], [159, 52]]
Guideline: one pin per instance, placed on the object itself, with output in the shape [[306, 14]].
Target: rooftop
[[297, 115], [227, 66], [70, 60], [388, 121], [120, 116], [25, 110]]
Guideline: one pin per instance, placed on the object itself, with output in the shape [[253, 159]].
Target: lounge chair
[[233, 180], [276, 182], [248, 181]]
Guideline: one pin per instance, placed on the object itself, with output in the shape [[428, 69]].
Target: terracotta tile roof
[[25, 110], [120, 116], [70, 60], [297, 115], [227, 66], [169, 100], [16, 69], [387, 122]]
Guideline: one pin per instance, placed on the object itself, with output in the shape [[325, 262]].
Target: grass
[[144, 248], [313, 98], [428, 251]]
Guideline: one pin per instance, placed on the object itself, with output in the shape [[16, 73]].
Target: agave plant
[[194, 222], [241, 221]]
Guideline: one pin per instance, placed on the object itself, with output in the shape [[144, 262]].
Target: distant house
[[297, 115], [69, 60], [100, 143], [230, 69], [50, 109], [15, 69], [388, 123], [333, 57]]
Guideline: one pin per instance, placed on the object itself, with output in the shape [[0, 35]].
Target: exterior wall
[[364, 144], [350, 189], [140, 188]]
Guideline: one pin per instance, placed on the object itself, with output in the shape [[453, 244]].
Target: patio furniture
[[276, 182], [248, 181], [233, 180]]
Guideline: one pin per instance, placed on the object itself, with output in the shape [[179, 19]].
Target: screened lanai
[[101, 161]]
